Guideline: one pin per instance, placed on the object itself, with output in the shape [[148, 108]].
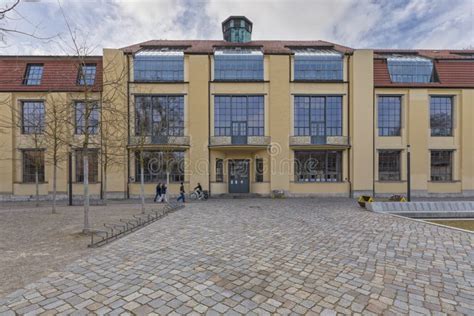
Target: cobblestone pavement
[[266, 256]]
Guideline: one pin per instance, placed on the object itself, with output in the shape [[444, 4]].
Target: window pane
[[33, 161], [239, 116], [259, 170], [441, 116], [318, 166], [219, 170], [86, 75], [326, 65], [389, 165], [389, 115], [93, 165], [32, 117], [154, 65], [159, 115], [318, 116], [157, 163], [34, 73], [410, 69], [238, 65], [86, 116], [441, 165]]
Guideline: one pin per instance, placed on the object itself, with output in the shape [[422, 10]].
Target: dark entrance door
[[238, 176]]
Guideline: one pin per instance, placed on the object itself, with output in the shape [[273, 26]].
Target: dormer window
[[33, 74], [238, 64], [86, 75], [410, 69], [158, 65], [318, 64]]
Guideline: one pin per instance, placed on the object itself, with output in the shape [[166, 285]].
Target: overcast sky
[[354, 23]]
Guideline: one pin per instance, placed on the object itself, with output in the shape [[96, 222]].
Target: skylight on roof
[[151, 52], [318, 64], [410, 69]]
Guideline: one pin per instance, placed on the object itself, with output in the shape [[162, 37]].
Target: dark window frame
[[318, 68], [438, 129], [306, 166], [93, 164], [305, 124], [442, 173], [248, 109], [29, 126], [147, 109], [153, 161], [389, 121], [389, 170], [219, 170], [158, 68], [30, 177], [87, 77], [239, 67], [259, 170], [80, 120], [33, 74]]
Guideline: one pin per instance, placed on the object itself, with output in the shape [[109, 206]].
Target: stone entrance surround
[[262, 256]]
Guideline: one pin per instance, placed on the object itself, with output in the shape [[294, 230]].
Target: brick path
[[263, 257]]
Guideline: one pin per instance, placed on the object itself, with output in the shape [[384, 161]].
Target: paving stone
[[263, 256]]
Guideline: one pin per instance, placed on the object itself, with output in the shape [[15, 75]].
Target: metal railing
[[114, 231]]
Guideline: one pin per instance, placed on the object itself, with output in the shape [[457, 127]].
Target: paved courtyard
[[265, 256]]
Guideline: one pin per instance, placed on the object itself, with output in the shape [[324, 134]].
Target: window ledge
[[391, 181], [33, 183], [318, 182], [158, 82], [317, 81], [239, 81], [452, 181]]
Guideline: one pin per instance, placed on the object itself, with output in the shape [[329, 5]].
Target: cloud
[[354, 23]]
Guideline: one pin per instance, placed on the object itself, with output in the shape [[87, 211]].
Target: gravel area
[[34, 242]]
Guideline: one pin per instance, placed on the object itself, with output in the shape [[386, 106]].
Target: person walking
[[158, 192], [163, 197], [181, 193]]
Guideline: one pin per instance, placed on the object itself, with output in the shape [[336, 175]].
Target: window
[[32, 117], [159, 115], [156, 163], [154, 65], [441, 165], [219, 170], [33, 75], [441, 116], [410, 69], [238, 64], [318, 116], [93, 164], [389, 115], [86, 74], [86, 116], [318, 166], [239, 116], [318, 64], [389, 165], [33, 162], [258, 170]]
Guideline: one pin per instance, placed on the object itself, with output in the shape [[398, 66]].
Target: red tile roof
[[208, 47], [453, 68], [59, 73]]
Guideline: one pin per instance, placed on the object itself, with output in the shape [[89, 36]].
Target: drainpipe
[[128, 126], [209, 162], [349, 125]]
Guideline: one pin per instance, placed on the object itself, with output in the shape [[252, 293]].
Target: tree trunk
[[37, 187], [142, 183], [86, 191], [55, 172]]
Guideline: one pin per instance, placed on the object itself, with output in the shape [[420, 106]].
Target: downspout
[[128, 126], [373, 133], [209, 124], [349, 124], [101, 147]]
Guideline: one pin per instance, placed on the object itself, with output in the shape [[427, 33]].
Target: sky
[[406, 24]]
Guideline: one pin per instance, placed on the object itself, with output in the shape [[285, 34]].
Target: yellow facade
[[276, 149]]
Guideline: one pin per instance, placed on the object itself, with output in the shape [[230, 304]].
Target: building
[[243, 116]]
